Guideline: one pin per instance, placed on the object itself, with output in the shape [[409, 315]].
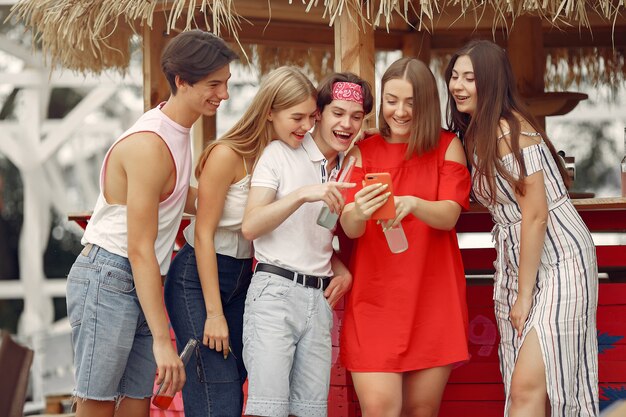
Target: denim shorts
[[110, 336], [287, 348]]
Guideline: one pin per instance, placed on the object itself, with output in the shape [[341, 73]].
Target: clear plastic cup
[[396, 239], [163, 401], [326, 218]]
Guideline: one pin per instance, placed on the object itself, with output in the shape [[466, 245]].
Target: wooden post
[[209, 129], [354, 50], [417, 45], [528, 59], [203, 132], [155, 86]]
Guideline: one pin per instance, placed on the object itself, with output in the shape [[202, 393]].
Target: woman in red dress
[[405, 322]]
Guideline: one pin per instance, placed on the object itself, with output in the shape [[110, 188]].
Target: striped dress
[[565, 296]]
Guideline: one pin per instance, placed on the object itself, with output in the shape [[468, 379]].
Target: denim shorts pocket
[[116, 280], [274, 291], [328, 307], [76, 295]]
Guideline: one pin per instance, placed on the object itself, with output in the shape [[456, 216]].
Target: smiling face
[[205, 96], [340, 121], [462, 85], [397, 108], [290, 125]]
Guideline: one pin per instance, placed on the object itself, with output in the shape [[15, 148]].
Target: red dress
[[407, 311]]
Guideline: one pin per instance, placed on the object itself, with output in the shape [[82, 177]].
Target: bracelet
[[214, 317]]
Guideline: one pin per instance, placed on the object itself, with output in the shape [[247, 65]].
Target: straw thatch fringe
[[572, 67], [77, 34], [93, 35], [316, 63]]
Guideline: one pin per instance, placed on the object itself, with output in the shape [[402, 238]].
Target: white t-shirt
[[299, 243]]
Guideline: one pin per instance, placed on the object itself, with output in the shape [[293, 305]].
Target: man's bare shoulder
[[147, 147]]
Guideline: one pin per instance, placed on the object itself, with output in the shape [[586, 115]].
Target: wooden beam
[[209, 129], [155, 86], [525, 50], [286, 28], [204, 132], [606, 37], [354, 50], [527, 57], [283, 33], [417, 45], [303, 34], [321, 36]]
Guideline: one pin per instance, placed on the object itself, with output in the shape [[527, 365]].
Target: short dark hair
[[325, 90], [192, 55]]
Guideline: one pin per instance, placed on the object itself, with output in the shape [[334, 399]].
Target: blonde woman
[[206, 286]]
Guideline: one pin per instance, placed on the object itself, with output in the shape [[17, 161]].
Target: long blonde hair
[[281, 89]]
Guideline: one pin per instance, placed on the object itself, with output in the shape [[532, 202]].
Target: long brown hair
[[281, 89], [426, 117], [496, 99]]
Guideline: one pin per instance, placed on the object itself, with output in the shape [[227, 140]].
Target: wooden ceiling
[[287, 24]]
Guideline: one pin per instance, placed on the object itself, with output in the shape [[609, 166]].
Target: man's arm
[[144, 190], [341, 282]]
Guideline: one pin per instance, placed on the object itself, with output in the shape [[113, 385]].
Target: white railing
[[14, 289]]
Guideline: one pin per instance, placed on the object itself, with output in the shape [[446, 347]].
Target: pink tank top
[[108, 228]]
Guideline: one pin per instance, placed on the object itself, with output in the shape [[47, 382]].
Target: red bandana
[[347, 91]]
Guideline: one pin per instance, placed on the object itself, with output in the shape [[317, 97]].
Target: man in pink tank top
[[120, 331]]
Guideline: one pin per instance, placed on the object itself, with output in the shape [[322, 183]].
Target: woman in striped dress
[[546, 280]]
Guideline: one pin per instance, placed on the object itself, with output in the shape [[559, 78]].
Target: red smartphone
[[388, 210]]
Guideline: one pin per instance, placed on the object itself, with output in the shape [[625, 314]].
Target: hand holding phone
[[388, 210]]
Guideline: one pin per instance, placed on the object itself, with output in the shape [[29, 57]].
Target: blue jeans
[[215, 388]]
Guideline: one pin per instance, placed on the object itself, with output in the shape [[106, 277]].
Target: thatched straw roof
[[93, 35]]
